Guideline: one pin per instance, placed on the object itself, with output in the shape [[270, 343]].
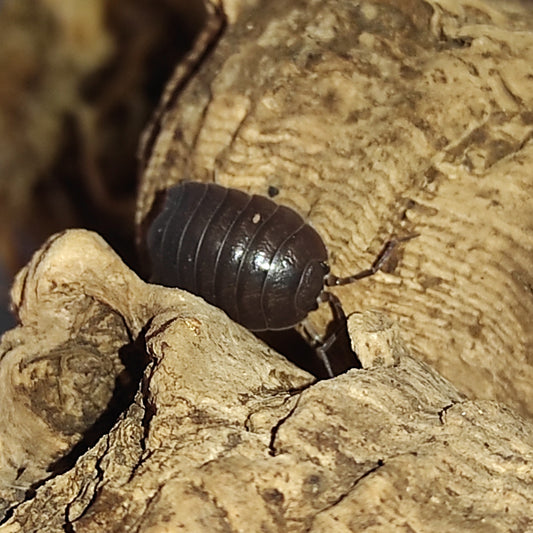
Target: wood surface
[[132, 407], [384, 118], [224, 434]]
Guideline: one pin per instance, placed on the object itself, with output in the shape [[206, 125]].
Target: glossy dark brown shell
[[257, 260]]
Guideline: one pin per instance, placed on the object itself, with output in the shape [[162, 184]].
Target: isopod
[[257, 260]]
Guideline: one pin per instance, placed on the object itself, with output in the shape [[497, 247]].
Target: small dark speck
[[527, 117], [273, 496], [429, 282], [458, 42], [408, 72], [273, 191], [313, 479], [464, 42]]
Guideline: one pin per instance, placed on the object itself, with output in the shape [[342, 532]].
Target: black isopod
[[255, 259]]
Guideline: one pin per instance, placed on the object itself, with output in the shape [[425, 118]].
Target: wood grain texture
[[224, 434], [380, 118], [370, 118]]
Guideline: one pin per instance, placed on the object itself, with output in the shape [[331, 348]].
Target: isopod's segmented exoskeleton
[[257, 260]]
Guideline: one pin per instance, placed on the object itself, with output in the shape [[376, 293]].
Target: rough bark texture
[[369, 118], [380, 118], [226, 435]]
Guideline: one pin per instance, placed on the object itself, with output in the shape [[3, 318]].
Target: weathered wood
[[380, 118], [369, 118], [225, 434]]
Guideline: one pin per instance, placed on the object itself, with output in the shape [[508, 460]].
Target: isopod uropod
[[256, 260]]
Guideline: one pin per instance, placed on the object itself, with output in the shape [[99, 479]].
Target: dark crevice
[[274, 431], [300, 352], [443, 411], [214, 26], [100, 474], [294, 347], [7, 513], [150, 410], [67, 526], [159, 330], [379, 464], [134, 359]]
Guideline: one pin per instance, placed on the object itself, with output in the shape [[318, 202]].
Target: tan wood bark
[[226, 435], [380, 118], [370, 118]]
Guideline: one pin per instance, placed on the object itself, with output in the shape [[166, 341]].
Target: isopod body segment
[[257, 260]]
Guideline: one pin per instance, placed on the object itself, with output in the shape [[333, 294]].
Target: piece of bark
[[79, 309], [59, 369], [380, 118], [226, 435]]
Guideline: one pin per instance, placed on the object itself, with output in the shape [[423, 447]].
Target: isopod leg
[[385, 254], [321, 352], [339, 319], [312, 336], [319, 345], [335, 304]]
